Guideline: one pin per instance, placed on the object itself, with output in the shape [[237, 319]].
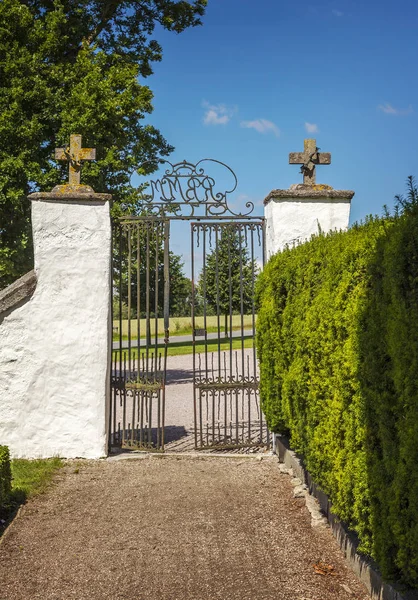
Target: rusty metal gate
[[227, 251], [227, 410], [139, 361]]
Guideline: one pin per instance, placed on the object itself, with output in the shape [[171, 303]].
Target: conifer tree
[[227, 285]]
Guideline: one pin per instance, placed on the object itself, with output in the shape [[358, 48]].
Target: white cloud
[[311, 128], [337, 13], [217, 114], [262, 126], [391, 110]]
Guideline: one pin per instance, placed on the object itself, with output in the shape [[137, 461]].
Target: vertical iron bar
[[157, 256], [231, 233], [225, 396], [194, 341], [253, 304], [205, 322], [217, 302], [166, 318], [151, 394], [115, 394], [147, 302], [138, 296], [120, 302], [249, 398], [124, 416], [236, 401], [158, 416], [129, 301], [133, 416], [241, 304], [213, 416], [141, 425]]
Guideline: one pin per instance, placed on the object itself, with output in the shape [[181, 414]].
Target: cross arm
[[87, 154], [60, 153], [296, 158], [322, 158], [319, 158]]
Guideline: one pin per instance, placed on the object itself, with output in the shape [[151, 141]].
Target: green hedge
[[338, 348], [5, 478]]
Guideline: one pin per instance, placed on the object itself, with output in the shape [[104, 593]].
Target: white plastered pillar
[[56, 348], [294, 215]]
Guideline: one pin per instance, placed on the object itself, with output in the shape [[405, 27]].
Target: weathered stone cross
[[75, 154], [309, 158]]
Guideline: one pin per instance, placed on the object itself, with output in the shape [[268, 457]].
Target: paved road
[[181, 338], [171, 528]]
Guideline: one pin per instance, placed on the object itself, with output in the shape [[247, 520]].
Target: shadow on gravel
[[179, 376], [8, 512], [172, 433]]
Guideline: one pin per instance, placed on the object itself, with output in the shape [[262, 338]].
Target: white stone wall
[[55, 348], [290, 221]]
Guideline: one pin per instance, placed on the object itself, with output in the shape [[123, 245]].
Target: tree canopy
[[76, 66]]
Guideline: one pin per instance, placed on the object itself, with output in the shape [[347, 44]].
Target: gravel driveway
[[171, 528]]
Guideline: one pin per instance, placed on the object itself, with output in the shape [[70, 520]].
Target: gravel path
[[171, 528]]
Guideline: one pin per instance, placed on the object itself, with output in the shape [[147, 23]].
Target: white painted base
[[55, 348], [291, 221]]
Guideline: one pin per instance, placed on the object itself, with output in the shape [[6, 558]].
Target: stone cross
[[75, 154], [309, 158]]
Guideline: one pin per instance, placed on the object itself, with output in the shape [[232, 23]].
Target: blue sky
[[257, 78]]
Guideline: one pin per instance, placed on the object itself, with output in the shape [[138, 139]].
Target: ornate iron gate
[[227, 408], [227, 250], [141, 252]]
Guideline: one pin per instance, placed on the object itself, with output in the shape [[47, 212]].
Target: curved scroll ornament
[[188, 185]]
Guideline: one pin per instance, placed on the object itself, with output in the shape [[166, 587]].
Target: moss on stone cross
[[309, 158], [74, 153]]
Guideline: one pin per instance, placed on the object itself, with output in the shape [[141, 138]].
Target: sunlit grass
[[32, 477], [179, 326], [179, 348], [29, 478]]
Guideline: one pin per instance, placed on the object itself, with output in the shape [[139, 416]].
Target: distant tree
[[227, 287], [76, 66], [149, 287], [180, 288]]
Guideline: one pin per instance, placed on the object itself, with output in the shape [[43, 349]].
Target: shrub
[[338, 348], [5, 478]]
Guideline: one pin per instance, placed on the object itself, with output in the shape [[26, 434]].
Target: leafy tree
[[180, 285], [226, 286], [76, 66]]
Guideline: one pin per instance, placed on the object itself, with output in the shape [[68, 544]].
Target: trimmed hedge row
[[5, 478], [338, 348]]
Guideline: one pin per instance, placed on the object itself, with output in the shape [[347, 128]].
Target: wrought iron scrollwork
[[188, 185]]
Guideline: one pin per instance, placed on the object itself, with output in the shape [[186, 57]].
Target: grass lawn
[[32, 477], [178, 326], [29, 478], [177, 348]]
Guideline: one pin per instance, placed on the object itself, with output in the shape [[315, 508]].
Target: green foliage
[[5, 479], [338, 348], [76, 66]]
